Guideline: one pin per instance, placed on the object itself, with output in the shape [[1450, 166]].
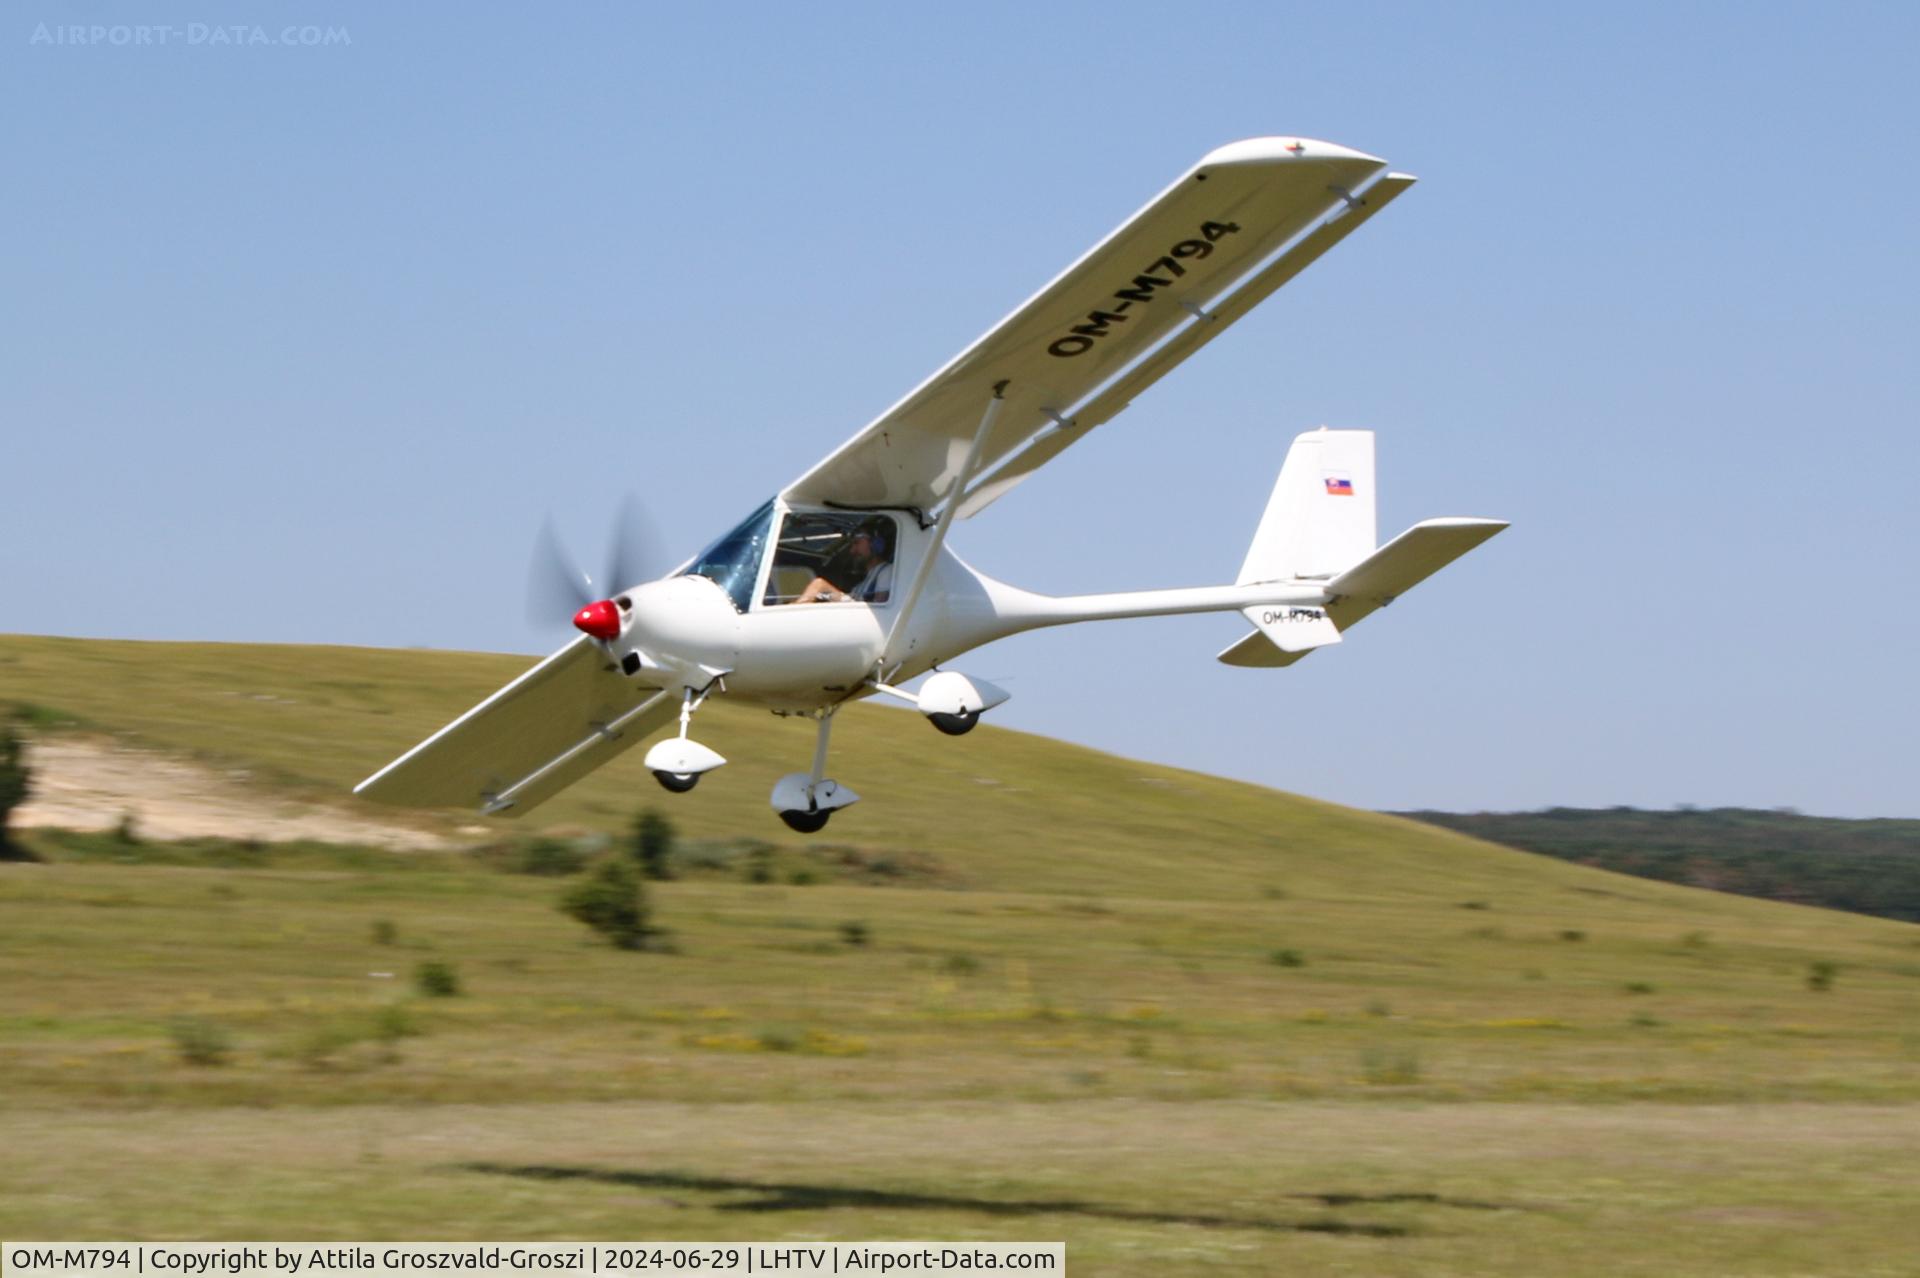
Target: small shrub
[[551, 858], [802, 878], [1645, 1020], [960, 965], [393, 1021], [127, 831], [385, 933], [1272, 893], [436, 979], [1695, 941], [1385, 1066], [1820, 974], [1573, 934], [16, 783], [1476, 905], [1638, 987], [652, 845], [1287, 958], [814, 1042], [856, 933], [778, 1040], [760, 864], [1379, 1008], [30, 715], [389, 1025], [319, 1045], [613, 902], [200, 1042]]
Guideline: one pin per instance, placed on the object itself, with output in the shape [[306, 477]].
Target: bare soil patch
[[91, 784]]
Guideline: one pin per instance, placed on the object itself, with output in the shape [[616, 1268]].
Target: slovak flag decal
[[1339, 486]]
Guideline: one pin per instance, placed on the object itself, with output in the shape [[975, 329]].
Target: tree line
[[1868, 867]]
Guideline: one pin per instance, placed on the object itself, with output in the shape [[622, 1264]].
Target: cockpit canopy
[[824, 556]]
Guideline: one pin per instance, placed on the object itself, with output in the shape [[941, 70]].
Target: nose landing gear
[[678, 763]]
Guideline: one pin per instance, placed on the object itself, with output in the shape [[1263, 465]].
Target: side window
[[833, 556]]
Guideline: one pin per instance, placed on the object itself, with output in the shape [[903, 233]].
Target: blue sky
[[299, 343]]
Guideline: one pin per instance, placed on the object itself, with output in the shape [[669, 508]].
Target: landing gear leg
[[679, 763], [805, 800]]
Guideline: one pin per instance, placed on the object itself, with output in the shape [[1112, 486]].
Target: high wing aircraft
[[842, 586]]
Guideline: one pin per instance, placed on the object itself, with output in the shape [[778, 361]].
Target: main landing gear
[[805, 800], [678, 763], [952, 702]]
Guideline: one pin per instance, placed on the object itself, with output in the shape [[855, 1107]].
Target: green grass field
[[1188, 1025]]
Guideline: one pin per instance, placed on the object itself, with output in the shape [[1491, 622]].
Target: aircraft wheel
[[678, 782], [956, 725], [805, 822]]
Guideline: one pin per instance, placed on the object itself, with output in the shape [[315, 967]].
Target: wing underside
[[1225, 235], [557, 722]]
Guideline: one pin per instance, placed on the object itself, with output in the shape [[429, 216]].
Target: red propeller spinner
[[601, 620]]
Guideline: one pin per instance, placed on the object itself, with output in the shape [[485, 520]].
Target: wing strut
[[931, 552]]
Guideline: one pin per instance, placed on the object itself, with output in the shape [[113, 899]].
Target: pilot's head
[[872, 538]]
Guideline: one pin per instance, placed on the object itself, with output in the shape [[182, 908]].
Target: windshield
[[733, 562]]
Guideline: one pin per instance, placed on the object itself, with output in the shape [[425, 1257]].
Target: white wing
[[554, 724], [1226, 234]]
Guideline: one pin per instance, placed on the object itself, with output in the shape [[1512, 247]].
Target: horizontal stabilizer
[[1255, 650], [1402, 564], [1374, 582], [528, 741]]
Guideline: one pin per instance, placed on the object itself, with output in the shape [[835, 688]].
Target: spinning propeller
[[557, 585]]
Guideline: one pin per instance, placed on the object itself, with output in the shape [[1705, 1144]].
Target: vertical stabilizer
[[1320, 519]]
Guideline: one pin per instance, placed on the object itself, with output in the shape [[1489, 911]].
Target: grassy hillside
[[1010, 810], [1872, 867], [1189, 1025]]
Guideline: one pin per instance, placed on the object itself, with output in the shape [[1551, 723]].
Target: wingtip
[[1270, 150]]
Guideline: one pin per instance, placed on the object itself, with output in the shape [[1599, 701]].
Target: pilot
[[861, 570]]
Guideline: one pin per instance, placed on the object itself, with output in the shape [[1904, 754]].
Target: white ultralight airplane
[[842, 586]]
